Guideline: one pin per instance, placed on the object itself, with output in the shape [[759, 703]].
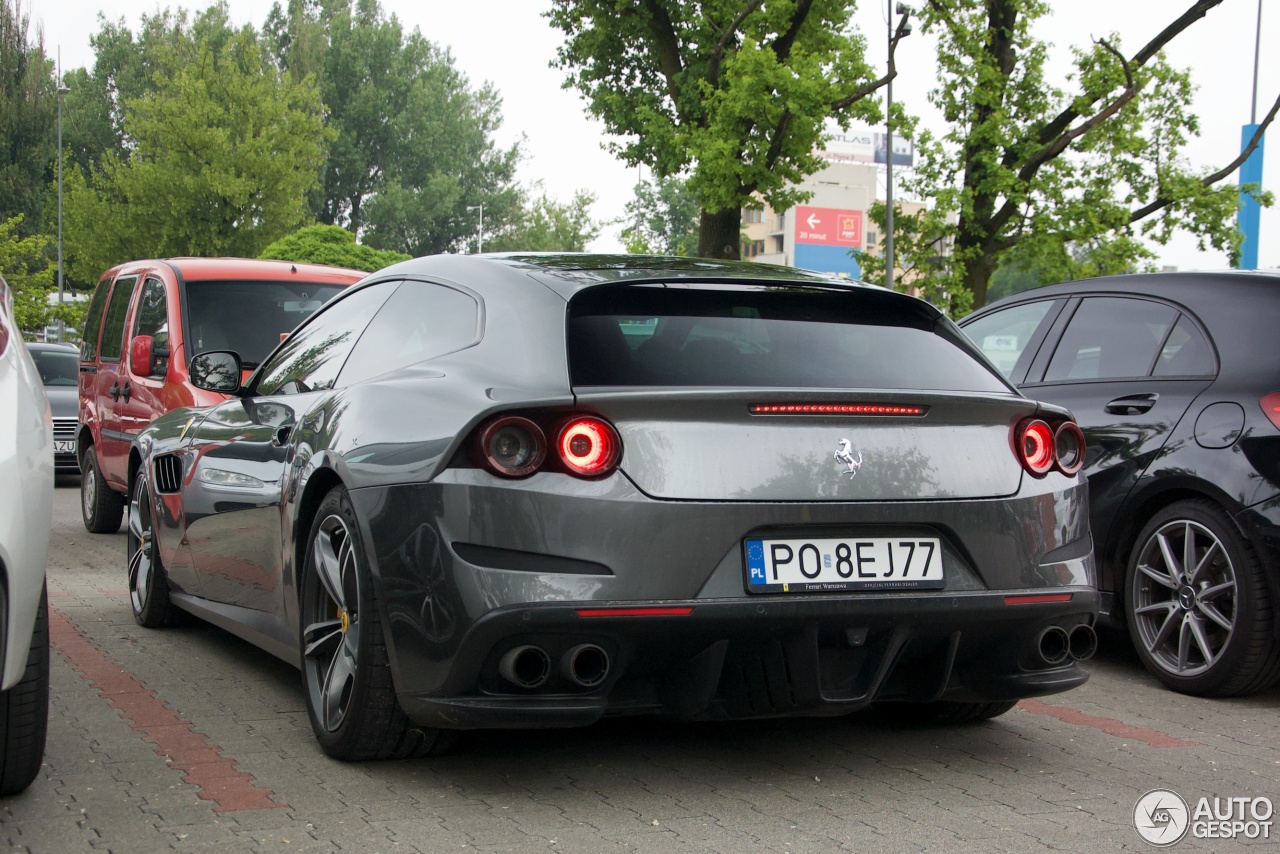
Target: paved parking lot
[[188, 739]]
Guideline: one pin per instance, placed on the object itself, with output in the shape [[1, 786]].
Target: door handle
[[281, 435], [114, 391], [126, 391], [1133, 404]]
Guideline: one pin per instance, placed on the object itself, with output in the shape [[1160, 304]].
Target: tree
[[27, 108], [662, 218], [414, 141], [1071, 180], [25, 266], [219, 154], [736, 93], [546, 225], [332, 245]]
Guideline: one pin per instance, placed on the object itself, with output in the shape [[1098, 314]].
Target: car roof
[[232, 269], [1196, 290], [52, 346]]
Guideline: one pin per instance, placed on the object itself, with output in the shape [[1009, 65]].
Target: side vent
[[168, 469]]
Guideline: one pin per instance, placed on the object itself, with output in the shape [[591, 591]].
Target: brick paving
[[189, 740]]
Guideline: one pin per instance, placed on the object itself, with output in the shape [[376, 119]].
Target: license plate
[[862, 563], [64, 446]]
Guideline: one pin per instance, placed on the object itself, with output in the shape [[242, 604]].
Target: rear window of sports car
[[766, 337]]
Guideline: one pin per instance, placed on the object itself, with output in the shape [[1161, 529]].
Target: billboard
[[828, 226], [861, 145]]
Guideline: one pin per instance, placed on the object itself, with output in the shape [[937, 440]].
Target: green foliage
[[27, 119], [332, 245], [413, 146], [735, 94], [25, 266], [546, 225], [219, 151], [1068, 178], [662, 218]]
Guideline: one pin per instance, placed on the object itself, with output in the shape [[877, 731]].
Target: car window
[[312, 358], [419, 321], [248, 317], [57, 368], [93, 322], [1003, 335], [767, 337], [1186, 352], [152, 318], [117, 313], [1111, 338]]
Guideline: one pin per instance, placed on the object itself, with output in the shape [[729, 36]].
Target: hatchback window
[[1003, 335], [117, 312], [1186, 353], [249, 317], [767, 337], [420, 321], [1111, 338]]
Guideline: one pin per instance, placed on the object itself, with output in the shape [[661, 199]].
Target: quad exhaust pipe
[[1056, 645], [586, 665], [526, 666]]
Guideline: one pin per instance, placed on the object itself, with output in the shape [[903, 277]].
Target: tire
[[1210, 634], [24, 712], [346, 673], [101, 506], [942, 713], [148, 585]]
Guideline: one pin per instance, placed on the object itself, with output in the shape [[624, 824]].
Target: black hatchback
[[1175, 379]]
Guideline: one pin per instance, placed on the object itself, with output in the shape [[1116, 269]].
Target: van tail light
[[1042, 448], [513, 446], [1270, 405], [589, 446], [519, 445]]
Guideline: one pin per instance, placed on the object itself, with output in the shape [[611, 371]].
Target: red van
[[145, 322]]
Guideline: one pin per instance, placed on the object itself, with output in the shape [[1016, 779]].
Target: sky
[[509, 44]]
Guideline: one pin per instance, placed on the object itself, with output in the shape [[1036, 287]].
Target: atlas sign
[[828, 226]]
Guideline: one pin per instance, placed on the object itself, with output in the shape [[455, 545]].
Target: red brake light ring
[[1041, 449], [589, 446]]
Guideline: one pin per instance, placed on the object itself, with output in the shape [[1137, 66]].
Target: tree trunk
[[720, 235], [977, 275]]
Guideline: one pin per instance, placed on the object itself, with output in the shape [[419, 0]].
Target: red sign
[[828, 226]]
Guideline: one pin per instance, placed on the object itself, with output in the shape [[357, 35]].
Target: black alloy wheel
[[100, 506], [1198, 607], [148, 586], [350, 697]]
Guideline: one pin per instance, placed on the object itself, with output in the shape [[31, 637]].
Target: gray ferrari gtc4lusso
[[532, 491]]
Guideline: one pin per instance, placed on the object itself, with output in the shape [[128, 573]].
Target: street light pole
[[62, 90], [903, 10], [479, 228]]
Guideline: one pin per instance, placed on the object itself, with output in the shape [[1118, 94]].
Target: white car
[[26, 506]]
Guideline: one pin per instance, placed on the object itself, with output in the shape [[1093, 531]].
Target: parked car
[[145, 322], [59, 369], [521, 491], [1175, 379], [26, 508]]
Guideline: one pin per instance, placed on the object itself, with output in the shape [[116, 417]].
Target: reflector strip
[[1038, 598], [834, 409], [635, 612]]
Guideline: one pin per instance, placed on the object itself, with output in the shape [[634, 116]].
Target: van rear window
[[249, 317], [766, 337]]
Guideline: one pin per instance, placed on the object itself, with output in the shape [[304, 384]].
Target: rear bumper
[[769, 657]]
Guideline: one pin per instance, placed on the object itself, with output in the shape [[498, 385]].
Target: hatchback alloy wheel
[[1184, 598], [331, 621]]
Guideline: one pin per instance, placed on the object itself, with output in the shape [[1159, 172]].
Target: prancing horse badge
[[844, 454]]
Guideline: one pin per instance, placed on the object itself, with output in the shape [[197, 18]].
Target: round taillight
[[513, 446], [589, 446], [1035, 447], [1068, 448]]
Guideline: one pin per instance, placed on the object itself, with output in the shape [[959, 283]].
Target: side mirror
[[141, 360], [218, 370]]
